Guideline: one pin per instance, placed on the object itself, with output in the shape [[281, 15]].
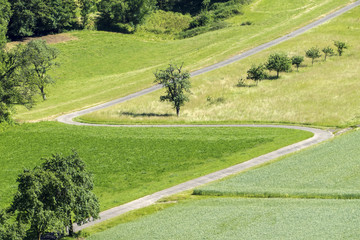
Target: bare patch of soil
[[50, 39]]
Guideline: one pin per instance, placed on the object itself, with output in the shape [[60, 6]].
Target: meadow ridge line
[[68, 118], [319, 135]]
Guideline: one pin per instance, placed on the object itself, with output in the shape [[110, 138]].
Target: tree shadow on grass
[[132, 114]]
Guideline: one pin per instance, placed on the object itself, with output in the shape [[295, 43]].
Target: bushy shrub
[[200, 30], [161, 22]]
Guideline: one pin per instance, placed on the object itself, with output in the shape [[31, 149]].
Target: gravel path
[[319, 135]]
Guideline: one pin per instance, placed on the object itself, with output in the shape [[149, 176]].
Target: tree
[[5, 13], [38, 17], [15, 89], [341, 46], [10, 229], [52, 195], [313, 53], [297, 60], [176, 83], [76, 198], [123, 15], [278, 62], [38, 57], [34, 203], [86, 8], [328, 51], [256, 73]]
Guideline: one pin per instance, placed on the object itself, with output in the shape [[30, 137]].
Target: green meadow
[[330, 170], [129, 163], [101, 66], [236, 218], [319, 95]]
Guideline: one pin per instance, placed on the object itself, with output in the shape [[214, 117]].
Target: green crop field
[[234, 218], [330, 170], [321, 95], [129, 163], [102, 66]]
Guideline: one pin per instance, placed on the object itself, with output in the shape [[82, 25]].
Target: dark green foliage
[[341, 46], [75, 199], [204, 18], [10, 229], [256, 73], [278, 62], [36, 204], [313, 53], [200, 30], [39, 17], [297, 60], [123, 15], [5, 13], [15, 89], [86, 8], [52, 195], [176, 83], [37, 60], [328, 51]]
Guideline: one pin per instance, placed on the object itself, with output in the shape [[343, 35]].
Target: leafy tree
[[38, 57], [15, 89], [123, 15], [341, 46], [278, 62], [75, 198], [51, 196], [313, 53], [328, 51], [297, 60], [5, 13], [176, 83], [86, 8], [256, 73], [35, 204], [38, 17], [9, 229]]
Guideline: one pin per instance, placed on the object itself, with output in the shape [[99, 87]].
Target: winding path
[[319, 135]]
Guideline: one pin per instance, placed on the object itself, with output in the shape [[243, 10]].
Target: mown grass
[[234, 218], [331, 170], [102, 66], [322, 95], [129, 163]]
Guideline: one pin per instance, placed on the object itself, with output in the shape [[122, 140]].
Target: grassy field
[[330, 170], [102, 66], [129, 163], [234, 218], [320, 95]]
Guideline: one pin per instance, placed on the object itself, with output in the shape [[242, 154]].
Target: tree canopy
[[176, 82], [278, 62]]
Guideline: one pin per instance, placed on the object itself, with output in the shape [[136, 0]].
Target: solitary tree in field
[[297, 60], [278, 62], [256, 73], [341, 46], [176, 82], [328, 51], [313, 53], [38, 59]]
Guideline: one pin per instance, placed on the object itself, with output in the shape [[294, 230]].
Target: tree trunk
[[277, 74], [177, 111], [71, 229], [39, 235], [43, 93]]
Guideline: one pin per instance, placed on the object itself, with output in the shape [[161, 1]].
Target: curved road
[[319, 135]]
